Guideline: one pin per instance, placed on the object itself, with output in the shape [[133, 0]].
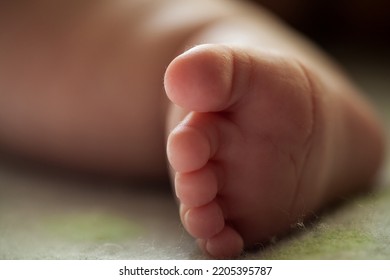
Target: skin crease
[[82, 85]]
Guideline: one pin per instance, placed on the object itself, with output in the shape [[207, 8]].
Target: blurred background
[[363, 22]]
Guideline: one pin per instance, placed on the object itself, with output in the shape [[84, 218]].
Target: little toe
[[226, 244]]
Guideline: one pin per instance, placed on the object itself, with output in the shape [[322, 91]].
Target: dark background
[[363, 22]]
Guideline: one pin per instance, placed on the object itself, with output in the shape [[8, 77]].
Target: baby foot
[[253, 155]]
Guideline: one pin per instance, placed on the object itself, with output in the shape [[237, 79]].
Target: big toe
[[201, 78]]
